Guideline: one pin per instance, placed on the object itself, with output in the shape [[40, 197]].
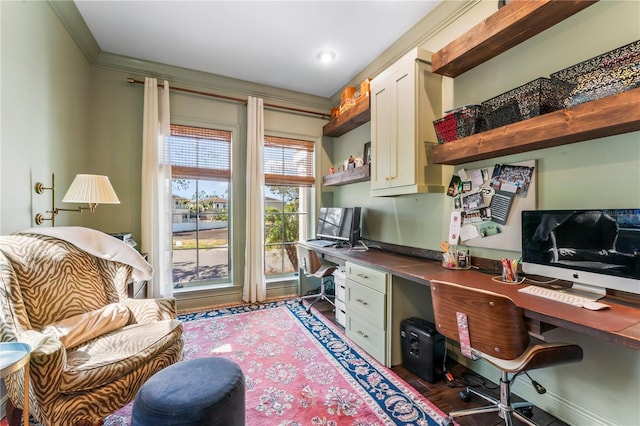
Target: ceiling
[[275, 43]]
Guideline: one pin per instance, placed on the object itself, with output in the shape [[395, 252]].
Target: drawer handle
[[363, 334], [361, 302], [362, 275]]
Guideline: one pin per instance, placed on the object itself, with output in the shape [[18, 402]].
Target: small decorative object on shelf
[[538, 97], [608, 74], [459, 123], [363, 89], [347, 99], [344, 177], [367, 153]]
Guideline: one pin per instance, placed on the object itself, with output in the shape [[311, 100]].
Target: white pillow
[[81, 328]]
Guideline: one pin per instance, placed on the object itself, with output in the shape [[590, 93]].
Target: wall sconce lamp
[[91, 189]]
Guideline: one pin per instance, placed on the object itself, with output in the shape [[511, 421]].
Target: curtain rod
[[229, 98]]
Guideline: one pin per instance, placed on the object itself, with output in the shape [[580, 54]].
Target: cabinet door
[[393, 127], [380, 133], [403, 110], [404, 98]]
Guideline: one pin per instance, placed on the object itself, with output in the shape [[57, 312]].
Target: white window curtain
[[255, 287], [156, 187]]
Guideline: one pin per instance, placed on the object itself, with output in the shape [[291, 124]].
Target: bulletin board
[[508, 234]]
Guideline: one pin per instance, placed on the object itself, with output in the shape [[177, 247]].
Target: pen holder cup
[[510, 277]]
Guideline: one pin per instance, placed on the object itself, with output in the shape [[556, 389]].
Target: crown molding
[[445, 13], [442, 15], [203, 81], [71, 18]]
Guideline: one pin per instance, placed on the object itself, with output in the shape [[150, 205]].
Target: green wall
[[65, 113], [46, 93], [604, 387]]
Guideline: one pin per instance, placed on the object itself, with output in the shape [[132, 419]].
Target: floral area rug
[[300, 370]]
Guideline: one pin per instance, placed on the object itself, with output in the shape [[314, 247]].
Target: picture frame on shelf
[[367, 153]]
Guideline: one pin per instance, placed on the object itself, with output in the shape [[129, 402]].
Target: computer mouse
[[595, 306]]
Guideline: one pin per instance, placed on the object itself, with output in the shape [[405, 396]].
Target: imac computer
[[339, 224], [595, 249]]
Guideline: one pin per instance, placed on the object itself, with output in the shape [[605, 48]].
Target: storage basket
[[608, 74], [532, 99], [459, 123]]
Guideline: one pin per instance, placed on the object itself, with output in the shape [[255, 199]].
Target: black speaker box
[[422, 348]]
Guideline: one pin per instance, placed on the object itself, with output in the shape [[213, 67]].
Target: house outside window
[[201, 182], [289, 178]]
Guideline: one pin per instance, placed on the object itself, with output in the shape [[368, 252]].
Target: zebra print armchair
[[92, 346]]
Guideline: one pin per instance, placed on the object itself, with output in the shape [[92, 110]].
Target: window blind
[[200, 153], [288, 162]]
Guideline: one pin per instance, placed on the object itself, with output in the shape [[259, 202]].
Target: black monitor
[[598, 248], [340, 224]]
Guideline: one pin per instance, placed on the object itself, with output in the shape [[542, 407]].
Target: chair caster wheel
[[447, 422], [527, 412], [465, 396]]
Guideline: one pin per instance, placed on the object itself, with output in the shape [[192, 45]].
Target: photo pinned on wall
[[455, 186], [512, 178], [472, 200], [457, 202], [476, 216]]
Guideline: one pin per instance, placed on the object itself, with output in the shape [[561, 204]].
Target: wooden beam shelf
[[506, 28], [359, 174], [608, 116], [354, 117]]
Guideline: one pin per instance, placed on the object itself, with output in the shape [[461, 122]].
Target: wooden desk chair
[[312, 266], [490, 326]]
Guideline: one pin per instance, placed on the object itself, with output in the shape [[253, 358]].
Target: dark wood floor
[[446, 395]]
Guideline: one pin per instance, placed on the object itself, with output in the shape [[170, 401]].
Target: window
[[289, 177], [201, 178]]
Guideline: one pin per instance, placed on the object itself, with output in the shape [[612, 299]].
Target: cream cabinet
[[405, 100], [366, 310]]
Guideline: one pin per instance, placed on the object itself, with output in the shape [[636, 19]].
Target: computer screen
[[597, 248], [340, 224]]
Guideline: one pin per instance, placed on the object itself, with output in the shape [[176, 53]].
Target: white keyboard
[[559, 296]]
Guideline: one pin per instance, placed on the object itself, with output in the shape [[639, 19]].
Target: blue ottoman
[[197, 392]]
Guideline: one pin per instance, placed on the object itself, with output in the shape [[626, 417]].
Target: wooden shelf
[[608, 116], [359, 174], [506, 28], [354, 117]]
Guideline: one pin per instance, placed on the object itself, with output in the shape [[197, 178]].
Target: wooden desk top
[[620, 324]]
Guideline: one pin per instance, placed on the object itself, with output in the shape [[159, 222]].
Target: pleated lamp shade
[[93, 189]]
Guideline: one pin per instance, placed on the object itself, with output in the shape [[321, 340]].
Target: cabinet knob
[[362, 275], [363, 334], [362, 302]]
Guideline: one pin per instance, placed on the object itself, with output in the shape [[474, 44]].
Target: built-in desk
[[620, 324]]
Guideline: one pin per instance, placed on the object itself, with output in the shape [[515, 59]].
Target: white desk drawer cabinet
[[372, 278], [367, 303], [366, 309], [369, 338]]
